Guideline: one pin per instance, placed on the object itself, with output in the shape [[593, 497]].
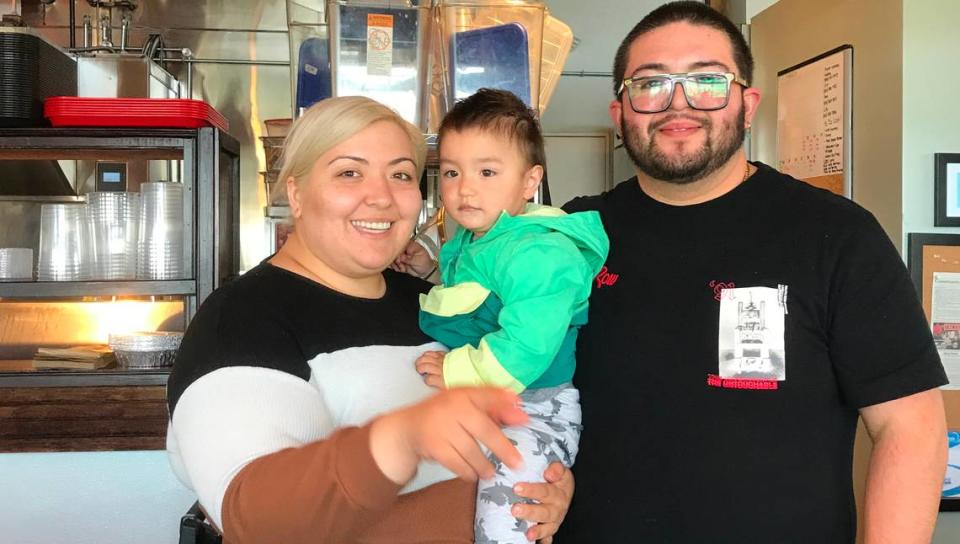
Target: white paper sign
[[945, 323], [379, 44]]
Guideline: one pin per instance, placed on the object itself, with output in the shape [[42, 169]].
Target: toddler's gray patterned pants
[[552, 434]]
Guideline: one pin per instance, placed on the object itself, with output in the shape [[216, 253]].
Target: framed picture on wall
[[947, 189], [934, 262]]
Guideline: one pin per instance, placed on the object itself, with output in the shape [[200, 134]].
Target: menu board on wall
[[814, 113]]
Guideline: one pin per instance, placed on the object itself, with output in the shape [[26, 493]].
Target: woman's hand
[[415, 261], [446, 428], [430, 367], [553, 500]]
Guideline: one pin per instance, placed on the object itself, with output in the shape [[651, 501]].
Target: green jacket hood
[[585, 229]]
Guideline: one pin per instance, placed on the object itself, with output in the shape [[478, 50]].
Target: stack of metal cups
[[114, 218], [160, 243]]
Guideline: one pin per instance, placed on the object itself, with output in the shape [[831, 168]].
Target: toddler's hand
[[430, 367], [414, 261]]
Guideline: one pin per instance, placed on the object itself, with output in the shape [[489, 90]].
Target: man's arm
[[906, 468]]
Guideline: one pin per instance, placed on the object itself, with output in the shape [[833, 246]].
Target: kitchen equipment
[[276, 194], [313, 73], [557, 43], [272, 151], [495, 57], [32, 70], [277, 128], [379, 49], [132, 112], [487, 43]]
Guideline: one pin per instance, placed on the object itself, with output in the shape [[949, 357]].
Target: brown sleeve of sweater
[[333, 491]]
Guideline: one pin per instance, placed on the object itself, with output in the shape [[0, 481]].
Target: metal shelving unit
[[210, 171], [73, 289]]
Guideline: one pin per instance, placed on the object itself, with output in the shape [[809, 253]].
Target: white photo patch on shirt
[[751, 341]]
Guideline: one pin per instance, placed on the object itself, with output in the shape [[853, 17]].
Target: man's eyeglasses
[[704, 91]]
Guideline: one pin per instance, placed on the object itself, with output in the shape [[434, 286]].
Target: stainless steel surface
[[87, 32], [231, 61], [277, 212], [21, 224], [42, 199], [121, 75], [124, 32], [48, 289], [585, 73], [106, 32]]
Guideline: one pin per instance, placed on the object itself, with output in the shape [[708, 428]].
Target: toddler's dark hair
[[501, 112]]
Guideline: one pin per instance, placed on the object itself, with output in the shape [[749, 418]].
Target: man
[[743, 322]]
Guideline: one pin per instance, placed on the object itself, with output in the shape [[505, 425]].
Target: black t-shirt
[[729, 348]]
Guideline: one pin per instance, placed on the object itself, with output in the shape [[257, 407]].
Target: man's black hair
[[695, 13]]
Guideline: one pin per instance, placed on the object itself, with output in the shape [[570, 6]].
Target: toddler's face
[[483, 173]]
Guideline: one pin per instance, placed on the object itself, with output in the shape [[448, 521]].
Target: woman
[[296, 414]]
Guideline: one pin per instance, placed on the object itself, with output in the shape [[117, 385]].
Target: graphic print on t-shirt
[[751, 342]]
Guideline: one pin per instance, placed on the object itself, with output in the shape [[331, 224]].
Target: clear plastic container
[[491, 43], [114, 220], [310, 78], [557, 42], [16, 264], [379, 49], [160, 242], [64, 253]]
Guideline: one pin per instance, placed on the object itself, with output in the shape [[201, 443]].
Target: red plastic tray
[[71, 111]]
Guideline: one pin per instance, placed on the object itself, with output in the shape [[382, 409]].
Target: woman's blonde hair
[[331, 122]]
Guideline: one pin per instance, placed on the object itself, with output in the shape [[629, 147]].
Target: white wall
[[753, 7], [931, 122], [90, 498]]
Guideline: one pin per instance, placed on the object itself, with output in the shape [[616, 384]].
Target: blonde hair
[[331, 122]]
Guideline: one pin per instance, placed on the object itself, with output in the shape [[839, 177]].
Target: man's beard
[[652, 161]]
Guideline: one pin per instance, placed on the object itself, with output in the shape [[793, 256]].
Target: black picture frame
[[941, 213], [916, 241]]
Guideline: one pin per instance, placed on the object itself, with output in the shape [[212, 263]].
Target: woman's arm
[[337, 487], [328, 490], [256, 446]]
